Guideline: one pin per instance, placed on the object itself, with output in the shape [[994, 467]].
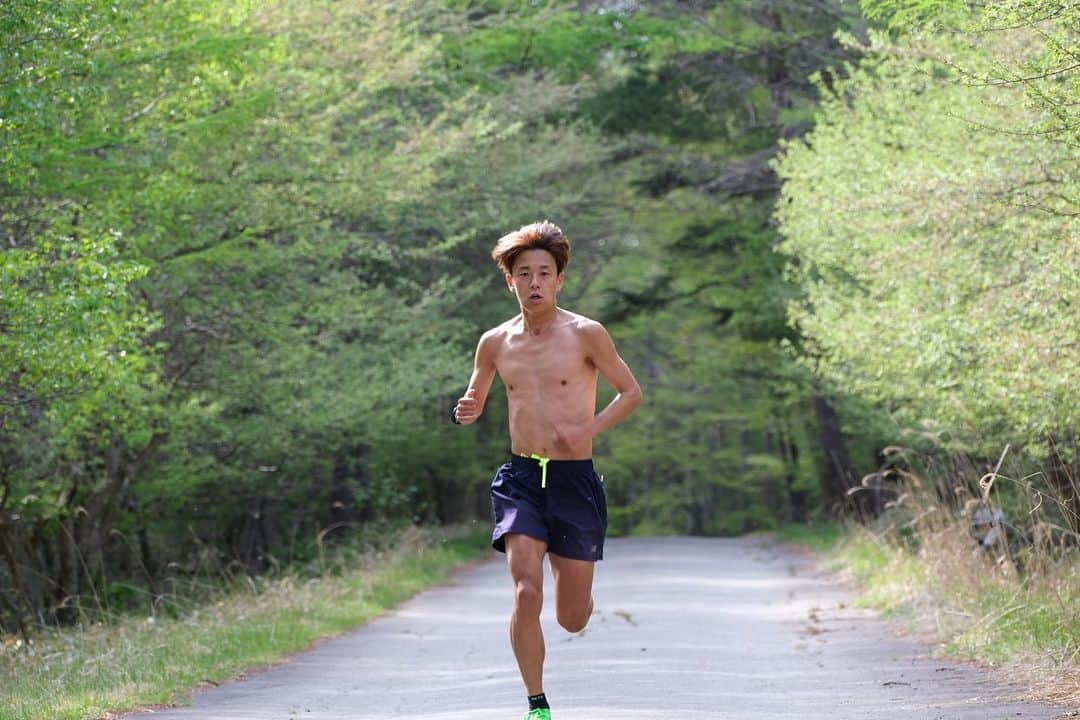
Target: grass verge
[[99, 670], [970, 606], [822, 537]]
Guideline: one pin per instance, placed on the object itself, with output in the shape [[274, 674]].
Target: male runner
[[548, 498]]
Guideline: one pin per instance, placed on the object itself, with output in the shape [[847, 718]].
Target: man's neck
[[537, 322]]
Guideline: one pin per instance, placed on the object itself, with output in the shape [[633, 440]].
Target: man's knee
[[574, 620], [528, 597]]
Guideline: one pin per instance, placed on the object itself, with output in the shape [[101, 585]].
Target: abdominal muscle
[[534, 417]]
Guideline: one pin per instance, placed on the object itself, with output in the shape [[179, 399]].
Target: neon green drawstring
[[543, 468]]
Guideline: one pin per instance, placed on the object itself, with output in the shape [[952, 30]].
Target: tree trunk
[[17, 588], [797, 501], [67, 589], [838, 476]]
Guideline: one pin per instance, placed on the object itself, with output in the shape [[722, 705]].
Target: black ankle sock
[[537, 702]]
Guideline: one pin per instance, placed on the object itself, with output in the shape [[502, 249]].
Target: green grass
[[821, 536], [890, 577], [1010, 624], [83, 673]]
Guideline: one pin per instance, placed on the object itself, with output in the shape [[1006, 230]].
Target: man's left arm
[[601, 350]]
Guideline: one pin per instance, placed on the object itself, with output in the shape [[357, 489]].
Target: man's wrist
[[595, 427]]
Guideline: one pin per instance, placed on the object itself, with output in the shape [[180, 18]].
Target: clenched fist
[[466, 409]]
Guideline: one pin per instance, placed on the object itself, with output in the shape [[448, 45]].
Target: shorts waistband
[[559, 467], [526, 461]]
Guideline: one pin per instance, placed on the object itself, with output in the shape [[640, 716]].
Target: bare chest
[[536, 364]]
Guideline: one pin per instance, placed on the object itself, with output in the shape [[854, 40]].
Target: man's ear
[[561, 278], [509, 282]]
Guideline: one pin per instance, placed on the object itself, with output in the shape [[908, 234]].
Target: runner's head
[[544, 235], [533, 259]]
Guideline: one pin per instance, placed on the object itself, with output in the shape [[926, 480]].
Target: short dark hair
[[543, 235]]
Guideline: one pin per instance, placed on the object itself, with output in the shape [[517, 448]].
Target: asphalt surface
[[684, 629]]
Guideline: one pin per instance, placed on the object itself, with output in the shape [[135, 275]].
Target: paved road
[[684, 629]]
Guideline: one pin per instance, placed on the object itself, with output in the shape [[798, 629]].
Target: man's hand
[[466, 408]]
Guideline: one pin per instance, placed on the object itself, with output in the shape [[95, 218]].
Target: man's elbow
[[635, 395]]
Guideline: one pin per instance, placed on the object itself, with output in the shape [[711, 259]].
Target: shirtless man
[[548, 498]]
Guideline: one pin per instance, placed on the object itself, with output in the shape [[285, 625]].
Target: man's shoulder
[[500, 331], [504, 327], [581, 324]]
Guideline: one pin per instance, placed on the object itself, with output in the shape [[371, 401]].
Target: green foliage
[[68, 326], [209, 317], [695, 315], [1044, 60], [930, 225], [556, 38], [1033, 44], [907, 14]]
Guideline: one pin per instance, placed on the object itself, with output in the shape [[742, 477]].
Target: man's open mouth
[[536, 296]]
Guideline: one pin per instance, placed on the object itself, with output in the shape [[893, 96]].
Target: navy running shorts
[[569, 514]]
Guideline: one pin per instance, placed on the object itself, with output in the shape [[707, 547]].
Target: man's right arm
[[471, 404]]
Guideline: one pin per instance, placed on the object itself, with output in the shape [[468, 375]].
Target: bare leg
[[525, 555], [573, 591]]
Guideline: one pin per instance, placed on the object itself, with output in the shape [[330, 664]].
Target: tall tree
[[917, 215]]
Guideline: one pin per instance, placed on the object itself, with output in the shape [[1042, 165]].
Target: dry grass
[[1012, 604]]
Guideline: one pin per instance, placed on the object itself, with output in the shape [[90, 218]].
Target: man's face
[[535, 280]]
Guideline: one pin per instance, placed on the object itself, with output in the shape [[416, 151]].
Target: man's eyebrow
[[529, 267]]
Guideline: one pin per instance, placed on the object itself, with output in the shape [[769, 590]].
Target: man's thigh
[[525, 556], [573, 582]]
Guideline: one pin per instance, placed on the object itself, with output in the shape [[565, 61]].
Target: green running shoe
[[539, 714]]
